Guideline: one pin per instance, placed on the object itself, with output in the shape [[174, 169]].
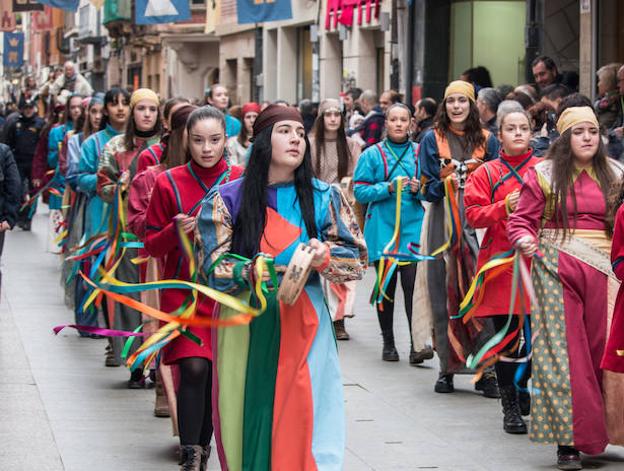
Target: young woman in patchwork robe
[[491, 194], [116, 169], [451, 151], [176, 199], [562, 212], [277, 385]]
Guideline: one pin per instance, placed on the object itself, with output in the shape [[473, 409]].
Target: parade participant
[[451, 150], [176, 199], [116, 168], [218, 96], [562, 212], [22, 137], [75, 289], [73, 117], [280, 405], [376, 177], [10, 194], [40, 169], [153, 154], [334, 156], [491, 194], [238, 146], [613, 359], [140, 193]]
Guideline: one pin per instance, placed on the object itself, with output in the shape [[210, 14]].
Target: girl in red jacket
[[176, 199], [491, 194]]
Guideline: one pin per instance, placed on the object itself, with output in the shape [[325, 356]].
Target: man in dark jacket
[[371, 130], [10, 193], [22, 138]]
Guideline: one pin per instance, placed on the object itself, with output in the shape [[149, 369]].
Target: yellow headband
[[143, 94], [576, 115], [459, 86]]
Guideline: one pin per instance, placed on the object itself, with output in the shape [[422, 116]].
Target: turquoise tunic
[[376, 168], [55, 139], [95, 221]]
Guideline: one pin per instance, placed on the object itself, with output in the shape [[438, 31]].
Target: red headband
[[274, 114], [250, 108]]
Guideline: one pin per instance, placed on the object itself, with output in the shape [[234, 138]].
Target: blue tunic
[[376, 168], [95, 221], [55, 139], [232, 126]]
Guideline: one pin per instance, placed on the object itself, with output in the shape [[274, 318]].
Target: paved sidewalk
[[61, 409]]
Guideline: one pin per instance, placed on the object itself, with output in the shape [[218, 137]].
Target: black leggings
[[506, 371], [408, 279], [195, 401]]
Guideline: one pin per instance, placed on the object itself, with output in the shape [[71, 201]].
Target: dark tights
[[408, 279], [506, 371], [195, 401]]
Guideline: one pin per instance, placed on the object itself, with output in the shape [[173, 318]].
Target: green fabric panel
[[233, 347], [551, 405], [264, 346]]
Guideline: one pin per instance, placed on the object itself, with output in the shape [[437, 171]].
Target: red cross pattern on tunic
[[342, 11]]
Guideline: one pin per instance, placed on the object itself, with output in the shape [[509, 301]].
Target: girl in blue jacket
[[376, 179]]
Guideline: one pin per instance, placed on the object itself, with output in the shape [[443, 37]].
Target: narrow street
[[61, 409]]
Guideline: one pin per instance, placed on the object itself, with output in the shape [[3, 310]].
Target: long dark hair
[[87, 129], [472, 130], [77, 126], [560, 153], [175, 149], [250, 222], [110, 98], [342, 147]]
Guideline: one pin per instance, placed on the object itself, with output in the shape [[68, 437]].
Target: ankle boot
[[204, 458], [341, 333], [512, 420], [389, 352], [190, 457]]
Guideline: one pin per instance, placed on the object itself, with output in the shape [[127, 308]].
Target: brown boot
[[341, 333], [190, 457], [161, 405]]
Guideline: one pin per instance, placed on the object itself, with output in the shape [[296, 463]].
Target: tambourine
[[296, 274]]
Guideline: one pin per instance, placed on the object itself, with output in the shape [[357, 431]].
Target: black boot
[[444, 384], [568, 458], [190, 457], [512, 420], [488, 385], [389, 352], [204, 458], [524, 399]]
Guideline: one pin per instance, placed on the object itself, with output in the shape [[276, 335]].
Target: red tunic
[[611, 360], [150, 156], [181, 190], [484, 200], [139, 197]]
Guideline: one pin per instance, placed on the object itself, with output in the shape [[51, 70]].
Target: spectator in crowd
[[308, 112], [545, 71], [371, 129], [22, 137], [218, 96], [553, 94], [521, 97], [505, 90], [387, 98], [281, 103], [350, 102], [607, 104], [488, 100], [71, 80], [544, 118], [528, 90], [423, 116], [478, 76], [10, 191]]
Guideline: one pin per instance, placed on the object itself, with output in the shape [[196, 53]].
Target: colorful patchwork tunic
[[278, 402], [575, 289]]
